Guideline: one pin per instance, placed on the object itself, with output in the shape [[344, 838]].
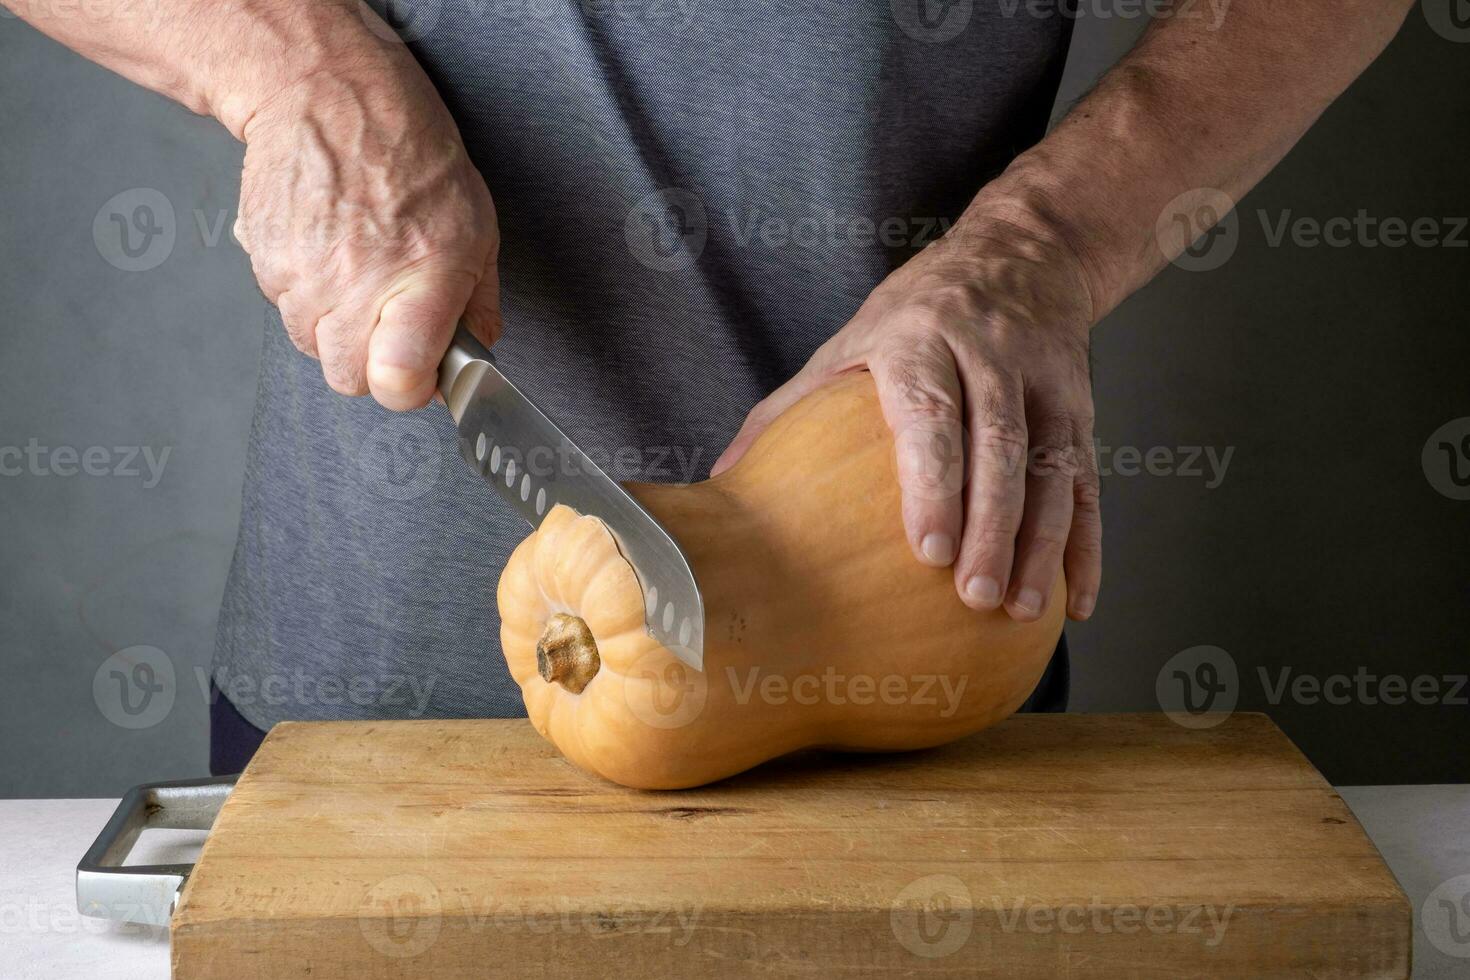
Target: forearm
[[224, 59], [1190, 107]]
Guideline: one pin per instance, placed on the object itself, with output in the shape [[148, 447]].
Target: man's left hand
[[979, 348]]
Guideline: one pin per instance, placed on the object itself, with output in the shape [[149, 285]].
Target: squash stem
[[566, 654]]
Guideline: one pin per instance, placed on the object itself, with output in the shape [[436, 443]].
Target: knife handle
[[463, 365]]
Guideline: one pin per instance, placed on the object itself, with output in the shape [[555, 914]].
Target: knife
[[534, 466]]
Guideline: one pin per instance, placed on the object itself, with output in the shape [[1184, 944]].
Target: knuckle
[[1048, 537], [990, 533], [1053, 462], [919, 370], [931, 464], [1001, 441], [343, 384], [301, 341], [1057, 438], [343, 366], [1086, 547], [1057, 428], [1087, 493]]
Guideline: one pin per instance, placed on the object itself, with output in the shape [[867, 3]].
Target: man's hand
[[365, 220], [978, 346], [370, 229], [988, 327]]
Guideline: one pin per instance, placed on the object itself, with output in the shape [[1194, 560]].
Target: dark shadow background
[[1325, 550]]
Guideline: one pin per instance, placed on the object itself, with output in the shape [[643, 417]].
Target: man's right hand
[[369, 227], [365, 220]]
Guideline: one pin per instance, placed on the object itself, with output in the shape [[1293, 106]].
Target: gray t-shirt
[[692, 197]]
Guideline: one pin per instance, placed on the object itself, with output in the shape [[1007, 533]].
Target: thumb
[[767, 411], [412, 333]]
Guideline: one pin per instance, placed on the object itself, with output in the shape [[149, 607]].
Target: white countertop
[[1423, 832]]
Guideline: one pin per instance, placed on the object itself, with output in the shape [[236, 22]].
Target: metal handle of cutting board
[[145, 893]]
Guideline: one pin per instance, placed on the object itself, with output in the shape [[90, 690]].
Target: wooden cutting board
[[1051, 846]]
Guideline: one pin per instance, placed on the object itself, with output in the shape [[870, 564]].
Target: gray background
[[1325, 550]]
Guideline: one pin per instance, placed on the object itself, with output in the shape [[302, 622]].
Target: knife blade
[[533, 466]]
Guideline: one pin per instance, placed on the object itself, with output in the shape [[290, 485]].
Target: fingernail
[[983, 589], [938, 548], [1082, 606], [1028, 601]]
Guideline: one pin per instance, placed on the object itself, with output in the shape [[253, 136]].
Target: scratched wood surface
[[1051, 846]]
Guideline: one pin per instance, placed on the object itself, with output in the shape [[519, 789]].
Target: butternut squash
[[821, 627]]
